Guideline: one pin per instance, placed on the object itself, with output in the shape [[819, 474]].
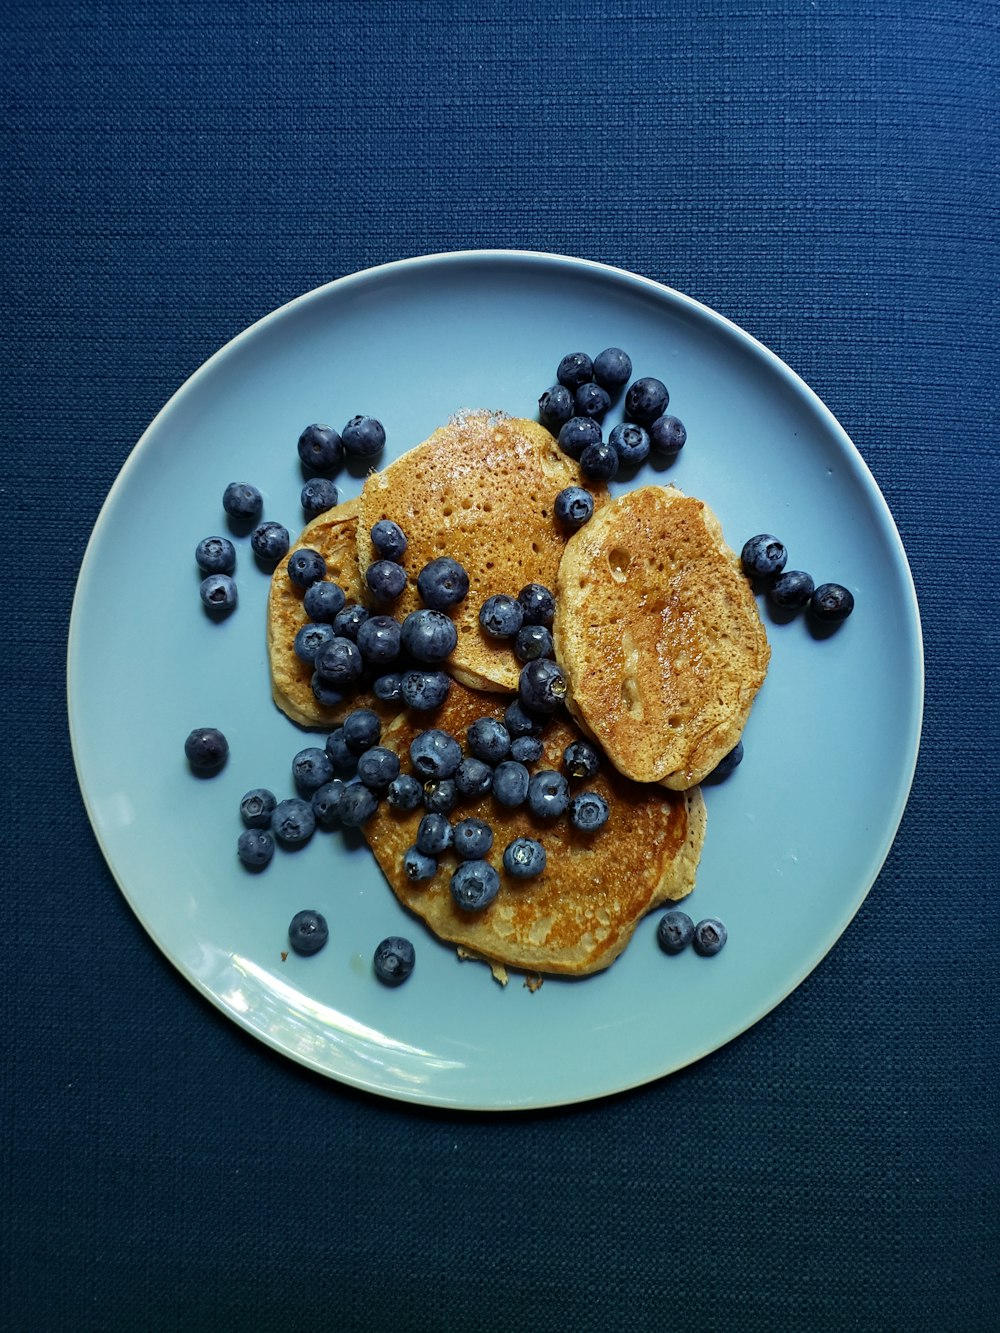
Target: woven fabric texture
[[823, 173]]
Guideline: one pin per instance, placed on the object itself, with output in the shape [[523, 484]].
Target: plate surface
[[795, 837]]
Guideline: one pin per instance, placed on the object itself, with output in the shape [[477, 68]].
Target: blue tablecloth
[[824, 172]]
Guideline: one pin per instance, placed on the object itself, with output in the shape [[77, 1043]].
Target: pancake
[[659, 635], [481, 490], [579, 914]]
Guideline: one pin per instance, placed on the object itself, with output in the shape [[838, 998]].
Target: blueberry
[[524, 858], [581, 759], [357, 805], [339, 661], [242, 501], [323, 601], [311, 768], [418, 866], [434, 835], [792, 588], [488, 740], [590, 400], [667, 436], [293, 821], [574, 369], [555, 407], [435, 754], [501, 616], [577, 434], [330, 696], [306, 567], [538, 604], [548, 794], [526, 749], [519, 722], [326, 803], [474, 885], [472, 839], [362, 730], [600, 462], [255, 847], [428, 636], [389, 687], [831, 602], [442, 583], [389, 539], [308, 932], [425, 690], [215, 555], [510, 783], [631, 443], [379, 640], [347, 622], [612, 368], [218, 592], [309, 640], [646, 400], [727, 763], [405, 792], [532, 641], [393, 960], [541, 685], [763, 556], [675, 931], [377, 768], [588, 811], [709, 937], [318, 495], [320, 447], [473, 777], [256, 807], [574, 506], [270, 541], [206, 748], [345, 761], [440, 795], [363, 437], [386, 580]]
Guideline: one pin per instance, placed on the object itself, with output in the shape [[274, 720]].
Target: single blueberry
[[206, 748], [532, 641], [526, 749], [727, 763], [442, 583], [792, 588], [405, 792], [709, 936], [320, 447], [474, 885], [524, 858], [389, 539], [242, 501], [646, 400], [440, 795], [667, 436], [631, 443], [256, 807], [318, 495], [574, 369], [363, 437], [577, 434], [218, 592], [255, 848], [612, 368], [538, 604], [311, 768], [357, 805], [393, 960], [270, 541], [388, 687], [574, 506], [600, 462], [308, 932], [306, 567], [555, 407], [386, 580], [330, 696], [425, 690], [588, 811], [362, 730], [548, 794], [472, 839], [510, 783], [763, 556], [347, 622], [417, 866], [590, 400], [473, 777], [675, 931], [377, 768], [309, 640], [345, 761], [541, 685], [215, 555], [339, 661], [326, 803], [488, 740], [519, 721], [831, 603], [379, 640], [581, 759], [323, 601], [501, 616], [428, 636], [293, 821], [434, 835], [435, 754]]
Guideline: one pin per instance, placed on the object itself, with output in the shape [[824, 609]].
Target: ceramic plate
[[795, 837]]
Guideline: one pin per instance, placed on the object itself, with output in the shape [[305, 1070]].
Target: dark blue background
[[823, 173]]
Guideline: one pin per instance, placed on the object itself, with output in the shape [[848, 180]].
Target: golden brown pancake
[[659, 635]]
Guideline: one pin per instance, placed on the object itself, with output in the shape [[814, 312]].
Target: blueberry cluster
[[323, 450], [575, 407], [676, 931], [764, 558]]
